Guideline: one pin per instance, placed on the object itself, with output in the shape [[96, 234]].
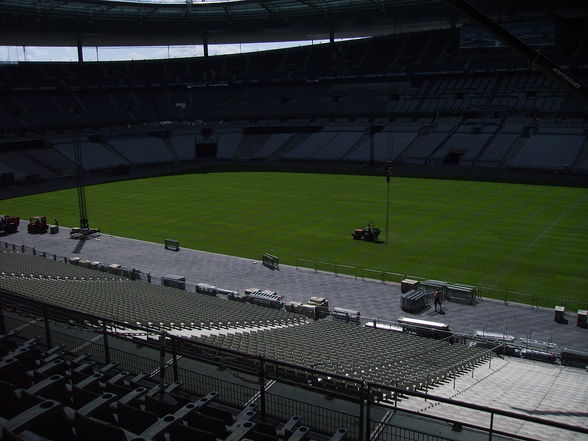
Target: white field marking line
[[554, 223], [544, 232]]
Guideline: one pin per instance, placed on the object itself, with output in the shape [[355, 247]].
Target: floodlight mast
[[80, 184], [534, 58], [388, 171]]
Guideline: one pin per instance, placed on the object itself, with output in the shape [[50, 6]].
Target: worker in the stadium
[[437, 297]]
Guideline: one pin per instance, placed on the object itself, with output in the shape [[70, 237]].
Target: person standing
[[437, 297]]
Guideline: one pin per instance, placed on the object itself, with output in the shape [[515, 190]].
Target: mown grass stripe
[[527, 238]]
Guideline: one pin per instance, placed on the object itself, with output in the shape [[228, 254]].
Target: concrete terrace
[[372, 298]]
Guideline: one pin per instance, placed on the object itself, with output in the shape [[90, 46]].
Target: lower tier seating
[[49, 394]]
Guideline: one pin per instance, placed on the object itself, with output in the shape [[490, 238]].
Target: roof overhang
[[104, 23]]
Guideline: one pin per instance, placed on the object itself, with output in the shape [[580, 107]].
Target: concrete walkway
[[372, 298]]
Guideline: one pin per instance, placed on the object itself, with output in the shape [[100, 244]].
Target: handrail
[[534, 300], [235, 355]]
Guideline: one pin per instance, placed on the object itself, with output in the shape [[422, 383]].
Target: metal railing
[[47, 322], [353, 271], [343, 270], [130, 273], [507, 296], [384, 431], [319, 418]]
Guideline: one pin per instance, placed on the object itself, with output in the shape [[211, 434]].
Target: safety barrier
[[271, 262], [507, 296], [171, 244], [253, 375]]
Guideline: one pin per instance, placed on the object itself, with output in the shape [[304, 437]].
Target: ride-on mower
[[38, 225], [369, 233], [8, 224]]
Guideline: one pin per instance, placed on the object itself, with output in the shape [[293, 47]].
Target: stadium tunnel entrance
[[453, 157], [206, 150]]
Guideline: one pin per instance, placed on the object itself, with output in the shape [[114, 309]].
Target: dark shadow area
[[79, 246]]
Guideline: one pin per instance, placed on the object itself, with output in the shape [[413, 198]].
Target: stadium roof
[[106, 23]]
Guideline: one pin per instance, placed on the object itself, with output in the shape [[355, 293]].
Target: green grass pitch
[[526, 238]]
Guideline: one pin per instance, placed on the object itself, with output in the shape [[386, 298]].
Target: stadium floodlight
[[388, 172]]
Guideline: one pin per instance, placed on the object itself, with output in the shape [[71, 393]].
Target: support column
[[106, 347], [175, 358], [2, 322], [47, 330], [372, 147], [162, 336], [262, 388], [205, 46], [80, 52], [362, 412], [368, 412]]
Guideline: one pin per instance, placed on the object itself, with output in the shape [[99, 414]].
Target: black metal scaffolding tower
[[80, 184]]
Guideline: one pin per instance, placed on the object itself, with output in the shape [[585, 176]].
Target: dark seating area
[[407, 53], [51, 395], [95, 292]]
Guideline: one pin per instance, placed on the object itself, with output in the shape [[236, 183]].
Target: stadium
[[378, 237]]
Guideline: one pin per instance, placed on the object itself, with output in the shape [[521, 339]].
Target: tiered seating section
[[50, 394], [423, 73], [94, 155], [433, 51], [91, 292], [426, 95], [142, 149], [512, 142], [382, 357], [443, 93]]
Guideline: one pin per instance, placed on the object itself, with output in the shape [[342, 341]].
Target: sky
[[10, 54]]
